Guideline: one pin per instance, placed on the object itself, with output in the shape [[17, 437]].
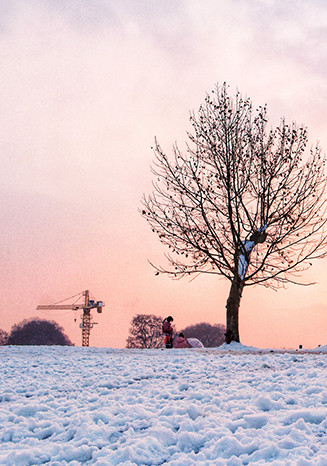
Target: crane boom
[[50, 307], [86, 317]]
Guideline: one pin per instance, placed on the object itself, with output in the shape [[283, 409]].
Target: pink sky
[[83, 91]]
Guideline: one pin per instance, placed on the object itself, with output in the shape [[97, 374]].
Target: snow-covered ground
[[66, 405]]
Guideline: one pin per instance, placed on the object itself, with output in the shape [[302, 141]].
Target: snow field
[[66, 405]]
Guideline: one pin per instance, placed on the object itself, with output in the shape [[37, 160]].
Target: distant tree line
[[36, 332], [210, 335], [146, 332]]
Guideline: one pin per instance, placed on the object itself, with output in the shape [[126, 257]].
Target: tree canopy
[[210, 335], [145, 332], [37, 331]]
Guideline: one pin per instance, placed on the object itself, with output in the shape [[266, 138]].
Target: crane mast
[[87, 319], [87, 323]]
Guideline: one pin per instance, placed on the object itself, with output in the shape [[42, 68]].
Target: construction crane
[[86, 317]]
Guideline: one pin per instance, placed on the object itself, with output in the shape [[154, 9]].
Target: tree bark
[[232, 310]]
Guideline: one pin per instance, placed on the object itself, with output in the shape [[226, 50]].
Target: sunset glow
[[84, 90]]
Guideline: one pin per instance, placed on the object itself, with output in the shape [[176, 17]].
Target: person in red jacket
[[180, 342], [167, 330]]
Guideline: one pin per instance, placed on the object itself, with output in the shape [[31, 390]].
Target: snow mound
[[321, 349], [235, 346], [195, 343]]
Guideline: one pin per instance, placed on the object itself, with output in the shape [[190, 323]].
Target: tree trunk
[[232, 310]]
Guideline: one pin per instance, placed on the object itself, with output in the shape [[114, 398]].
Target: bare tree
[[37, 331], [210, 335], [145, 332], [3, 337], [243, 202]]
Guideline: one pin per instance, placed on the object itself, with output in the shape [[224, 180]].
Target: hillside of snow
[[236, 406]]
